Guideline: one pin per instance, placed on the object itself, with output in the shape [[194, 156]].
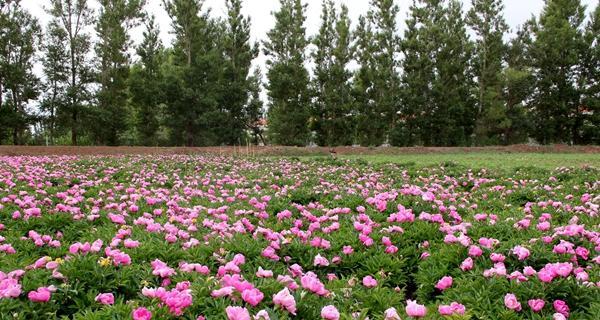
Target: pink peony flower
[[546, 275], [536, 304], [225, 291], [369, 282], [262, 315], [261, 273], [321, 261], [311, 282], [444, 283], [453, 308], [347, 250], [391, 314], [330, 313], [558, 316], [529, 271], [105, 298], [9, 288], [561, 307], [467, 264], [285, 300], [42, 294], [563, 269], [522, 253], [511, 302], [141, 313], [237, 313], [475, 251], [413, 309], [252, 296]]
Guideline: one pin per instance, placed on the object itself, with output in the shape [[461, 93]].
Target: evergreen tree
[[239, 52], [454, 117], [589, 82], [437, 81], [192, 75], [387, 83], [145, 85], [556, 51], [117, 17], [418, 73], [518, 84], [18, 84], [288, 87], [369, 130], [56, 74], [333, 102], [489, 26], [74, 17], [253, 110]]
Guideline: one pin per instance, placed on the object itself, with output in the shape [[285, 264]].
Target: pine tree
[[288, 87], [382, 16], [556, 51], [74, 17], [369, 128], [518, 83], [455, 114], [145, 85], [253, 110], [239, 52], [486, 20], [589, 82], [437, 81], [56, 74], [192, 75], [333, 101], [117, 17], [418, 73], [18, 84]]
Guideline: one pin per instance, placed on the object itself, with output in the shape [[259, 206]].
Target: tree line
[[451, 78]]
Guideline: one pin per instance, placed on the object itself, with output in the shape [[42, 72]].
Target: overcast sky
[[516, 12]]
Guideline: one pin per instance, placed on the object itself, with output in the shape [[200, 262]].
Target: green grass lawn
[[489, 160]]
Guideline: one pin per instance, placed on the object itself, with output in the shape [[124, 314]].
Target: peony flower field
[[209, 237]]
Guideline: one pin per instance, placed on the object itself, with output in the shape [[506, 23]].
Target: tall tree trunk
[[73, 82], [16, 136], [74, 128]]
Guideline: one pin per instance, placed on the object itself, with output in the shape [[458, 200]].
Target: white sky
[[516, 13]]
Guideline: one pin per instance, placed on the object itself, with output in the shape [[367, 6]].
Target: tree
[[56, 74], [437, 85], [74, 17], [421, 34], [145, 85], [253, 110], [454, 118], [239, 52], [383, 17], [518, 84], [368, 129], [486, 20], [589, 82], [556, 51], [288, 88], [192, 80], [333, 101], [18, 85], [117, 17]]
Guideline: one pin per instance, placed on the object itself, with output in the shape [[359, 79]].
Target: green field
[[507, 161]]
